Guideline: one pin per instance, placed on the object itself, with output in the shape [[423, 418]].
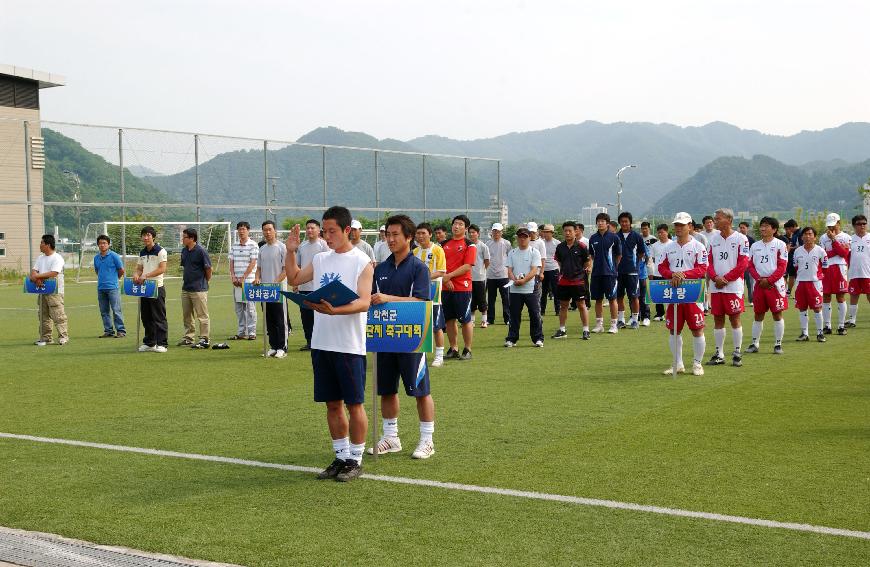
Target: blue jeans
[[111, 298]]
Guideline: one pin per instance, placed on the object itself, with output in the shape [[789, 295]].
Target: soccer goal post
[[215, 237]]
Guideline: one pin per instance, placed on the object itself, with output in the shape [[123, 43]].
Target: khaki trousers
[[194, 306], [51, 309]]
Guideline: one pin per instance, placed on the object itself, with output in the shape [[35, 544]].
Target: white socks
[[620, 316], [827, 309], [719, 337], [356, 452], [634, 317], [439, 352], [778, 331], [819, 324], [737, 338], [391, 427], [427, 428], [841, 314], [853, 313], [698, 346], [757, 328], [341, 448], [805, 323]]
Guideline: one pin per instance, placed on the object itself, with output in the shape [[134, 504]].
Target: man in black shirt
[[574, 264]]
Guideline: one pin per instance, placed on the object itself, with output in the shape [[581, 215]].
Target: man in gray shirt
[[355, 233], [551, 269], [478, 276], [312, 246], [496, 275], [270, 269]]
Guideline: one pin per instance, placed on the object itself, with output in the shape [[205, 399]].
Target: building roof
[[45, 80]]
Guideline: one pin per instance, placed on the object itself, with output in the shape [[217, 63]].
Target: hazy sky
[[468, 69]]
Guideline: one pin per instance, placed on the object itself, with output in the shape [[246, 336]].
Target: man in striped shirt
[[243, 264]]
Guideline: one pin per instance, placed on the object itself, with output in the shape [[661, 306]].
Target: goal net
[[215, 237]]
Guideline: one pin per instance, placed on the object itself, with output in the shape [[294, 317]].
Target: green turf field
[[785, 438]]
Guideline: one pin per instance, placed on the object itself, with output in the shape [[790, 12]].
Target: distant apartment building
[[588, 214], [22, 161]]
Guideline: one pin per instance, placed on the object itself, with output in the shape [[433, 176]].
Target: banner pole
[[264, 329], [676, 361], [374, 424], [138, 321]]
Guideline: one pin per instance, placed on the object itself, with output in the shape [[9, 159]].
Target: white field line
[[613, 504]]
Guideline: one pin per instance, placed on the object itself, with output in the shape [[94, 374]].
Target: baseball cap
[[383, 228], [532, 226], [548, 228], [523, 231], [355, 224], [497, 226], [682, 218], [832, 219]]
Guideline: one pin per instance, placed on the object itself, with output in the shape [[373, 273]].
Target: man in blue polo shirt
[[628, 280], [606, 251], [403, 277], [109, 268]]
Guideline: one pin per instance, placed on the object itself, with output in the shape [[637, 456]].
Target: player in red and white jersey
[[768, 266], [836, 244], [729, 256], [859, 267], [684, 258], [810, 260]]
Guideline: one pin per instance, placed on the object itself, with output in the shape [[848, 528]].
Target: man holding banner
[[338, 342], [403, 277], [49, 265]]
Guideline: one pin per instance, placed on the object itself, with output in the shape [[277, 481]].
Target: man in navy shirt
[[628, 281], [109, 268], [403, 277], [194, 289], [606, 250]]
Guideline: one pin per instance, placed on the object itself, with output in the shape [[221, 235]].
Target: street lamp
[[274, 198], [619, 187], [76, 184]]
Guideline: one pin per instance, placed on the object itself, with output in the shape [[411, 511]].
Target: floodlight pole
[[266, 177], [377, 187], [196, 171], [274, 200], [619, 187]]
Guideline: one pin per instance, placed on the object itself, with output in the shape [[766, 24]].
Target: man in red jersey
[[461, 254]]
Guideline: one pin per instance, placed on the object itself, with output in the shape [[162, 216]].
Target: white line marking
[[613, 504]]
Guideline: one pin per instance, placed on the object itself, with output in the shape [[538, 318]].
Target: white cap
[[532, 226], [832, 219], [355, 224], [682, 218], [497, 226], [383, 228]]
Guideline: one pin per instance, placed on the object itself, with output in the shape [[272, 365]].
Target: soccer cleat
[[620, 324], [669, 371], [63, 340], [41, 342], [451, 353], [840, 331], [752, 348], [202, 344], [827, 330], [146, 348], [303, 348], [160, 348], [850, 325], [598, 328], [280, 353], [332, 470], [585, 336], [351, 470], [634, 325], [613, 330], [736, 359], [559, 334], [386, 445], [270, 353], [424, 450], [697, 369], [437, 362], [484, 324], [716, 360], [466, 354], [821, 338], [509, 344], [645, 322], [803, 338], [539, 344], [107, 335], [184, 342], [777, 349]]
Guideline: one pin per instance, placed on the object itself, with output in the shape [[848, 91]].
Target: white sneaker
[[386, 445], [484, 325], [280, 353], [613, 330], [160, 348], [539, 344], [645, 323], [270, 353], [41, 342], [62, 341], [598, 329], [697, 369], [437, 362], [424, 450], [508, 344], [669, 371], [145, 348]]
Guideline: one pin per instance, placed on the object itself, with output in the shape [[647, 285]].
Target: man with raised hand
[[243, 265], [478, 276], [151, 266], [357, 241], [628, 279], [729, 257], [859, 267], [49, 265], [312, 246], [109, 268], [574, 264], [271, 269], [194, 290], [835, 243], [402, 277], [684, 258], [496, 275], [431, 254], [338, 342], [460, 254], [768, 266], [606, 251]]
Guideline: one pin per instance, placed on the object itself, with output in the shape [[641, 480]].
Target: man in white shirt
[[523, 265], [768, 266], [381, 250], [478, 276], [357, 241], [859, 267], [551, 269], [49, 265], [243, 265], [835, 243], [312, 246], [496, 275]]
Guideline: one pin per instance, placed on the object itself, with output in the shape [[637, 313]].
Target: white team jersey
[[827, 245], [859, 259], [656, 253], [684, 258], [810, 263], [766, 257], [725, 254], [340, 333]]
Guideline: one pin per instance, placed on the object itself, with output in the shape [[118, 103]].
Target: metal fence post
[[29, 199], [196, 171], [424, 187], [377, 188], [498, 187], [466, 185], [266, 180], [123, 197], [323, 171]]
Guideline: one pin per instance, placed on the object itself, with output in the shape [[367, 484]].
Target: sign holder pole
[[39, 303], [264, 330], [374, 423], [675, 320], [138, 321]]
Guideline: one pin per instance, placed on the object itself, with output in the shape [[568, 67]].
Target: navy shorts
[[410, 366], [456, 305], [438, 323], [627, 284], [339, 376], [601, 287]]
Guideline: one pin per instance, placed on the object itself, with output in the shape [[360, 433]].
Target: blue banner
[[46, 287], [146, 289], [263, 293], [401, 326], [689, 291]]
